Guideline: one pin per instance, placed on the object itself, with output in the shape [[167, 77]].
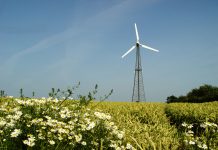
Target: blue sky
[[53, 43]]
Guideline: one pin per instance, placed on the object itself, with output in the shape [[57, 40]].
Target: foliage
[[43, 124], [60, 123], [145, 124], [192, 112], [205, 93], [208, 139], [196, 123]]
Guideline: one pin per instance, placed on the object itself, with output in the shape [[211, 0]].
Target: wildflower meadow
[[42, 124], [63, 124]]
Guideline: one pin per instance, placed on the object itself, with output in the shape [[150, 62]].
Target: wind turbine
[[138, 88]]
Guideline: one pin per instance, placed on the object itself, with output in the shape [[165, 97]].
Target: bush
[[207, 139], [43, 124], [196, 124]]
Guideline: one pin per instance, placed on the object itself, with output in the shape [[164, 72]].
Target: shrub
[[43, 124], [207, 139]]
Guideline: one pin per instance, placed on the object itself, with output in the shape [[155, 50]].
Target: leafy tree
[[182, 99], [205, 93], [172, 99]]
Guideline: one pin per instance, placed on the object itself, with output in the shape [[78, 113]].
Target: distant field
[[146, 124], [159, 125]]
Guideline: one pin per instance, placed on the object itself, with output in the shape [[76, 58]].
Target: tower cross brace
[[138, 87]]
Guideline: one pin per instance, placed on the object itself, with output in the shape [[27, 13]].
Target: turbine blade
[[137, 34], [147, 47], [128, 51]]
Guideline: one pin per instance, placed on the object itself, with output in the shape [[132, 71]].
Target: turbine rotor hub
[[137, 44]]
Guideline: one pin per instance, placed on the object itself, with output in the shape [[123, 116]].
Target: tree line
[[205, 93]]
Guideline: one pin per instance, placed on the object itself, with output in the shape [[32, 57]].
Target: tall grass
[[145, 124], [197, 124], [85, 124]]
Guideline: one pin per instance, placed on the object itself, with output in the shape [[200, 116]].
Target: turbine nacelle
[[138, 44]]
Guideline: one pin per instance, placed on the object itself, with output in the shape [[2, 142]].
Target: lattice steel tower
[[138, 94], [138, 88]]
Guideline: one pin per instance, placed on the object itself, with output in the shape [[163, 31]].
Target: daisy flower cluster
[[205, 137], [44, 124]]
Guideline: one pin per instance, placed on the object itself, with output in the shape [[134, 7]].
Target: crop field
[[167, 126], [57, 124]]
